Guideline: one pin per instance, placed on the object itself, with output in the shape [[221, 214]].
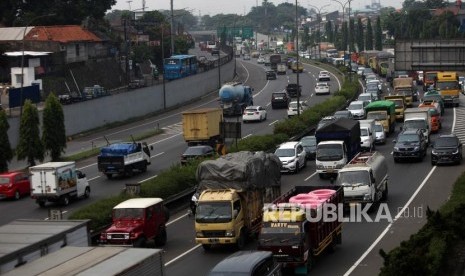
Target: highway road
[[183, 256]]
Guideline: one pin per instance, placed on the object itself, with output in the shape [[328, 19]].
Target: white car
[[324, 76], [321, 88], [254, 113], [292, 155], [366, 97], [360, 70], [377, 82], [246, 57], [261, 60], [380, 134], [292, 109], [357, 108]]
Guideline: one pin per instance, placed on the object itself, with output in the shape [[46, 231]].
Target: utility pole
[[172, 29], [297, 59]]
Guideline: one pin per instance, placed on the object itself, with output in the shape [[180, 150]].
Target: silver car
[[380, 134]]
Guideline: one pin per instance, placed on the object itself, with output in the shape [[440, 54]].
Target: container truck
[[108, 261], [234, 98], [447, 83], [58, 182], [365, 179], [292, 231], [202, 126], [399, 101], [418, 118], [383, 112], [233, 190], [337, 143], [404, 87], [124, 158]]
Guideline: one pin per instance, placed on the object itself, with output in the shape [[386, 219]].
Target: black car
[[279, 99], [410, 144], [270, 75], [309, 144], [343, 114], [195, 152], [446, 149]]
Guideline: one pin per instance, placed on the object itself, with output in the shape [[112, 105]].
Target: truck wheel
[[109, 175], [385, 193], [87, 193], [65, 200], [140, 242], [144, 167], [206, 247], [321, 175], [17, 195], [240, 244], [41, 203], [160, 240]]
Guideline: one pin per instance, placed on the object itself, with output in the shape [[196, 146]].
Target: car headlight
[[416, 148], [231, 233], [126, 236], [366, 197], [396, 148], [434, 152], [108, 236], [199, 234], [456, 151]]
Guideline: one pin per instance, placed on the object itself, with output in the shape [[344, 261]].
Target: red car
[[14, 185]]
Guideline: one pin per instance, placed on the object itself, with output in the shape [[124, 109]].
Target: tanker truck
[[234, 98]]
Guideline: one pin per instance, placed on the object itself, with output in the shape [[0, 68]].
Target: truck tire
[[385, 193], [161, 238], [140, 242], [206, 247], [240, 243], [65, 200], [41, 203], [87, 192], [144, 167]]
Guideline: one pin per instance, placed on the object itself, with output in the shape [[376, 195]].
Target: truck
[[123, 158], [58, 182], [234, 98], [383, 112], [338, 142], [447, 84], [281, 69], [404, 87], [292, 231], [429, 78], [202, 126], [136, 222], [418, 118], [294, 90], [25, 240], [114, 261], [367, 134], [233, 190], [275, 59], [435, 112], [399, 101], [365, 179]]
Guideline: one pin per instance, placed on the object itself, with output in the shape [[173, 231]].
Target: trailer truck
[[337, 143], [233, 190], [58, 182], [202, 126], [383, 112], [234, 98], [292, 231]]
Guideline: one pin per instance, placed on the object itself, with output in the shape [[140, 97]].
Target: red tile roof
[[62, 34]]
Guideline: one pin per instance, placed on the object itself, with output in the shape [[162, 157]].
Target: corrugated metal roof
[[62, 34], [13, 33]]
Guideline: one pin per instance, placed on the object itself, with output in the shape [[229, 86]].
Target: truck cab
[[136, 221], [331, 156], [447, 84], [400, 105]]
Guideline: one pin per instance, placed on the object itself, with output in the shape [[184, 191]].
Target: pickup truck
[[294, 90]]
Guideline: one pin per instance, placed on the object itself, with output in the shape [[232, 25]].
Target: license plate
[[213, 240], [279, 98]]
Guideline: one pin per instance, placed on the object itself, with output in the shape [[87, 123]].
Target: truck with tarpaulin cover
[[404, 87], [399, 101], [383, 112], [292, 230], [233, 190]]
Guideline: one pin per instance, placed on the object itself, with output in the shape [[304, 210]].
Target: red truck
[[137, 221], [293, 232]]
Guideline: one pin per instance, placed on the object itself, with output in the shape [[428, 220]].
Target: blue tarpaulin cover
[[118, 149]]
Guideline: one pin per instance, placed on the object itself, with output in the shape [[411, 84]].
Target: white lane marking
[[173, 221], [182, 255], [153, 176], [274, 122], [247, 71], [268, 104], [93, 178], [399, 214], [156, 155], [453, 122], [313, 174], [248, 135]]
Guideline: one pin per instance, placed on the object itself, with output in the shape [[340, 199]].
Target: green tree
[[360, 44], [329, 31], [30, 146], [53, 127], [344, 37], [378, 35], [351, 35], [6, 153], [369, 36]]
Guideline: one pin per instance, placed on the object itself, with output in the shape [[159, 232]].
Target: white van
[[367, 134]]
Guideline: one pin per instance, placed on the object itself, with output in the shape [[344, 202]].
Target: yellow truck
[[447, 83], [404, 86], [399, 101], [202, 126], [233, 191], [383, 112]]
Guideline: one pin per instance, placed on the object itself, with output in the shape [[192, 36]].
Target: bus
[[179, 66]]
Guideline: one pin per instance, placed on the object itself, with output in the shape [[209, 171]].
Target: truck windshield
[[128, 213], [446, 85], [377, 115], [213, 212], [404, 92], [399, 103], [329, 152], [354, 178], [415, 124]]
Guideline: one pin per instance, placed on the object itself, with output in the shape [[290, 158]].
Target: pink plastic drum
[[300, 197], [322, 193]]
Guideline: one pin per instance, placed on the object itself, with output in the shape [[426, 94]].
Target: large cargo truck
[[383, 112], [404, 87], [292, 231], [108, 261], [124, 158], [399, 101], [365, 179], [447, 83], [234, 98], [337, 143], [275, 59], [202, 126], [58, 182], [429, 78], [418, 118], [233, 190]]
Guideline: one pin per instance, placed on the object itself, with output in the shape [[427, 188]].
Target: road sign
[[244, 32]]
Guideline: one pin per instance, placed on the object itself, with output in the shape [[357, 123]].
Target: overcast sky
[[212, 7]]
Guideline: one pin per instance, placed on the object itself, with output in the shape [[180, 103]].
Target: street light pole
[[172, 29], [343, 20], [319, 27], [297, 59], [22, 60]]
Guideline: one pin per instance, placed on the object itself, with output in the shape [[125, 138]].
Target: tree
[[369, 36], [6, 153], [344, 38], [351, 35], [378, 35], [30, 146], [53, 130], [360, 44]]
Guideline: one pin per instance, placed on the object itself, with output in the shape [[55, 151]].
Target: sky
[[241, 7]]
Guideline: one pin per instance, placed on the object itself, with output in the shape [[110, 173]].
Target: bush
[[265, 143]]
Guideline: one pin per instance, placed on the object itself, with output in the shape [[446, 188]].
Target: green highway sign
[[243, 32]]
